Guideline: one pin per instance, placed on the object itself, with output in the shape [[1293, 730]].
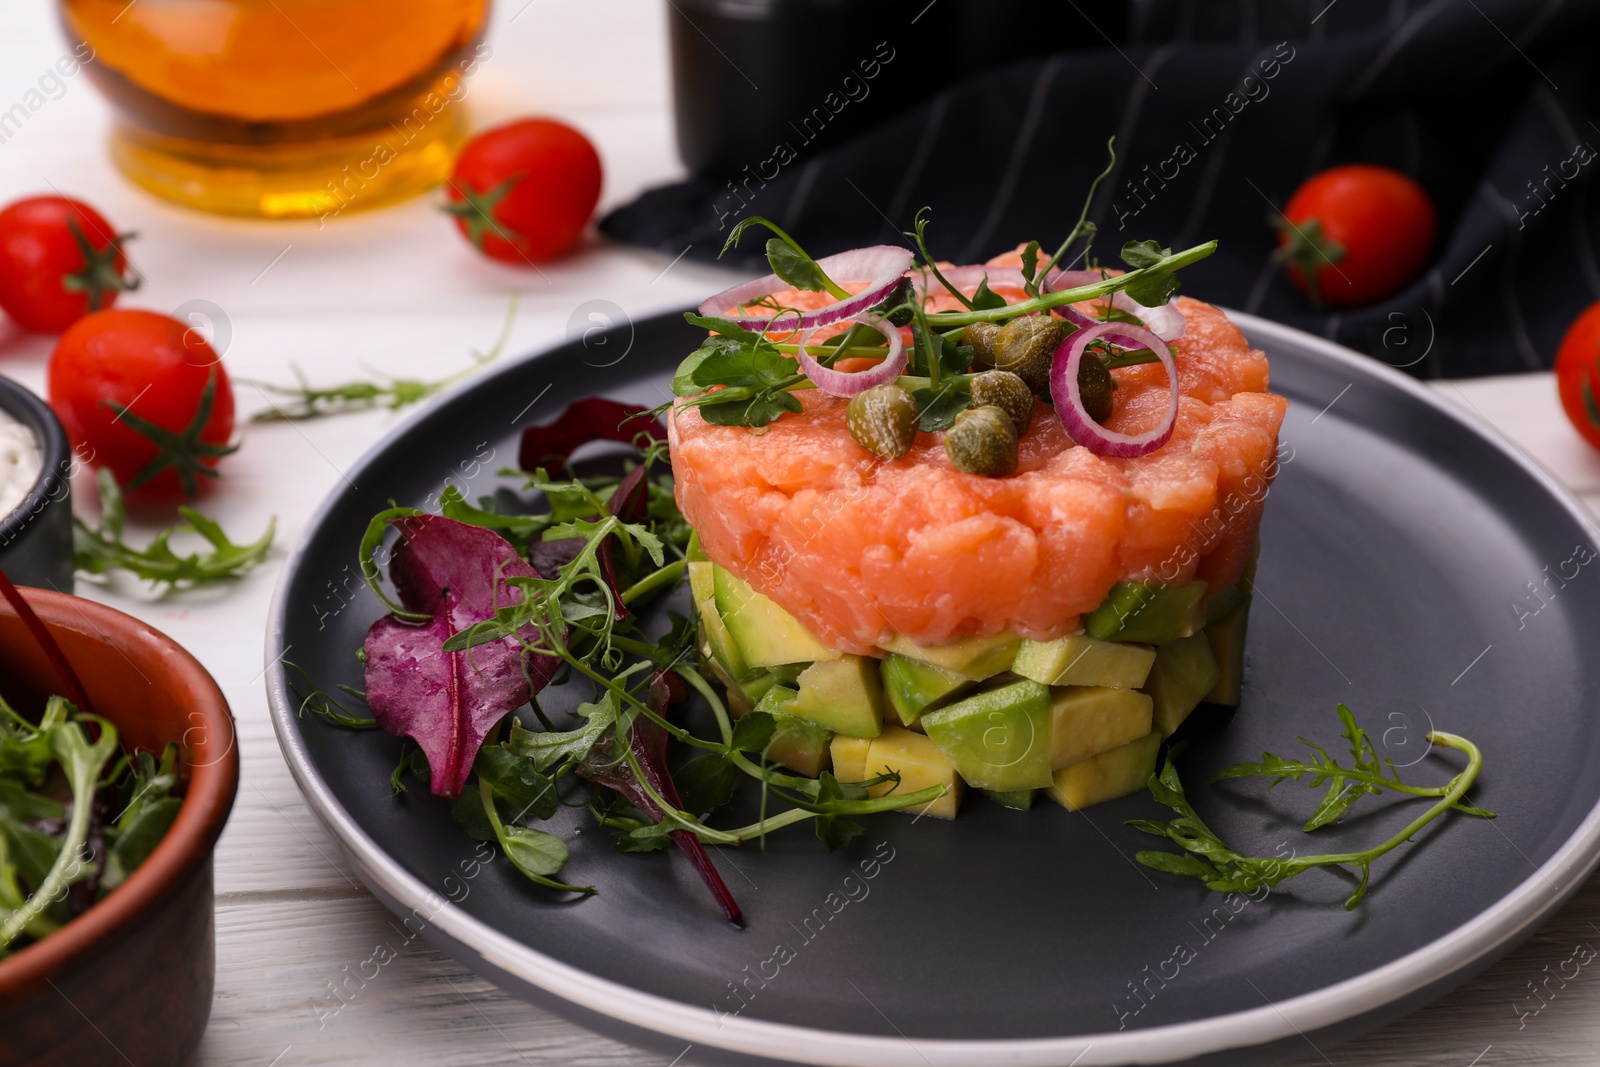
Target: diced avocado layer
[[842, 694], [1084, 721], [1088, 720], [976, 658], [1184, 673], [1107, 776], [1078, 659], [1148, 613], [920, 764], [998, 739], [764, 633], [1226, 637], [913, 686]]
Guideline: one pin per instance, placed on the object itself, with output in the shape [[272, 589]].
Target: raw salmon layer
[[861, 550]]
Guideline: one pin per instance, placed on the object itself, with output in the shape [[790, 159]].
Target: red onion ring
[[879, 266], [1166, 321], [849, 383], [1069, 401]]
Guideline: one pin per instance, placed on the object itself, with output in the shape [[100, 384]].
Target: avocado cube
[[702, 580], [913, 686], [849, 756], [764, 633], [1020, 799], [998, 739], [1220, 605], [799, 745], [1113, 774], [776, 699], [841, 694], [718, 643], [920, 764], [1086, 720], [1184, 673], [976, 658], [738, 700], [1078, 659], [1148, 613], [1226, 637]]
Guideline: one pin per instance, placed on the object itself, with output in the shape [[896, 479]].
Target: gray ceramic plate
[[1396, 543]]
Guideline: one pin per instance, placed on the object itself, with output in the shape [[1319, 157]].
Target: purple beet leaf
[[592, 419], [449, 701], [648, 741]]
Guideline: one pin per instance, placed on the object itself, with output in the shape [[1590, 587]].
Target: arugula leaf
[[836, 831], [1346, 785], [99, 550], [684, 381], [1140, 254], [549, 748], [753, 733], [21, 804], [789, 261], [518, 529], [535, 852], [1213, 862], [755, 365], [756, 411], [755, 375], [1030, 267], [394, 394], [82, 761], [538, 854], [941, 406], [795, 267], [138, 839], [705, 783], [985, 299], [517, 780], [1151, 290]]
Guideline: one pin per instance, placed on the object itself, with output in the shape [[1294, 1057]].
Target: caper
[[1095, 386], [983, 441], [1006, 391], [1027, 346], [980, 337], [883, 420]]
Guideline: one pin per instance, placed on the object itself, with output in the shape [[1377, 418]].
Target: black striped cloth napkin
[[1221, 108]]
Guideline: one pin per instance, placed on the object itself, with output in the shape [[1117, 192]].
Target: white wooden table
[[397, 290]]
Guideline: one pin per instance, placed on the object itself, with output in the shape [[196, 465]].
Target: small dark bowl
[[130, 980], [36, 538]]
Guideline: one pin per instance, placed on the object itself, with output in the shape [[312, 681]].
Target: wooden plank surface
[[396, 290]]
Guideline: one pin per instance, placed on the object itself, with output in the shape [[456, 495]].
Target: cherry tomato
[[1578, 374], [59, 260], [1355, 234], [522, 193], [146, 396]]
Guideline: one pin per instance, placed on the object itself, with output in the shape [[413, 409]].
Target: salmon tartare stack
[[987, 527]]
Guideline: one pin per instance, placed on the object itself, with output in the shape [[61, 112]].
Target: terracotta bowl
[[129, 980]]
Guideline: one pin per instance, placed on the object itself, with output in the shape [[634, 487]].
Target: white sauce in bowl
[[19, 463]]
